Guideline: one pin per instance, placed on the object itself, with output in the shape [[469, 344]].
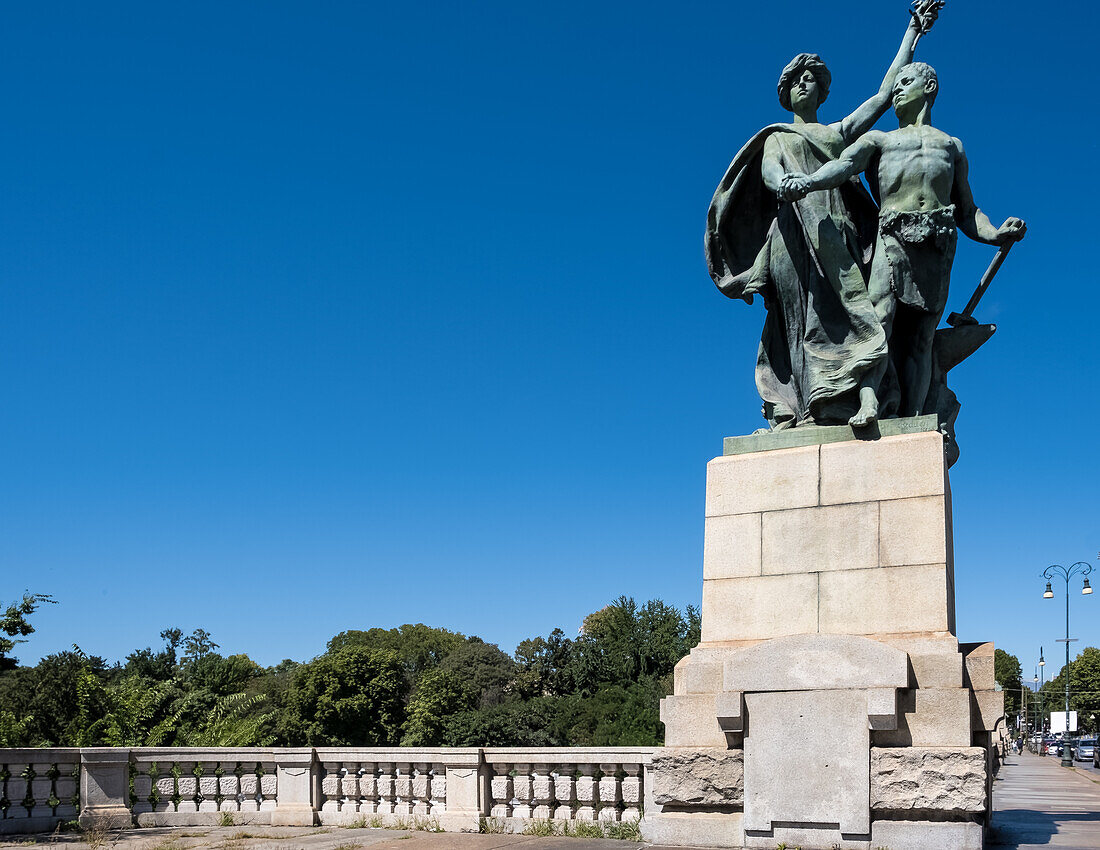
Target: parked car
[[1085, 750]]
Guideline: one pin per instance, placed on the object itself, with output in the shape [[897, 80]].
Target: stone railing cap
[[390, 755], [569, 755], [283, 755], [39, 755]]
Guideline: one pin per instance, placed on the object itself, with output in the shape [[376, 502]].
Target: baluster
[[587, 794], [610, 794], [188, 785], [368, 789], [349, 788], [403, 790], [330, 786], [501, 785], [542, 792], [229, 787], [565, 791], [438, 802], [386, 788], [521, 788], [208, 786], [164, 786], [421, 789], [65, 787], [632, 792], [143, 788], [18, 786], [41, 790], [269, 786], [250, 788]]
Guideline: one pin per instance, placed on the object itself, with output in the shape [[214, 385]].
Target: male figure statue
[[921, 177]]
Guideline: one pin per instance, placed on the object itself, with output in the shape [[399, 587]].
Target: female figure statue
[[823, 351]]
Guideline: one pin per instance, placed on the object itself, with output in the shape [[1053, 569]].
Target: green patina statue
[[919, 174], [823, 352], [853, 293]]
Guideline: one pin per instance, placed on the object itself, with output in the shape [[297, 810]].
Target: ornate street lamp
[[1081, 568]]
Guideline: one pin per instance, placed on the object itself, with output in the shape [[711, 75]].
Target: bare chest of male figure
[[916, 169]]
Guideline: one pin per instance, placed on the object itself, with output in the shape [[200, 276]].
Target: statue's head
[[916, 85], [804, 77]]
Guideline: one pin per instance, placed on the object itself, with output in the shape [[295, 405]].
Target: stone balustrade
[[452, 789], [38, 788], [566, 784]]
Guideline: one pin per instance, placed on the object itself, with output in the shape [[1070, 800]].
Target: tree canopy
[[413, 685]]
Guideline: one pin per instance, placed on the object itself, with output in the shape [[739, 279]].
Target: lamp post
[[1042, 700], [1030, 728], [1081, 568]]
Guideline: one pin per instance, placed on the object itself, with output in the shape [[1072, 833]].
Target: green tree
[[1007, 672], [533, 723], [197, 646], [439, 694], [1085, 686], [351, 697], [617, 715], [158, 666], [544, 665], [485, 671], [14, 626], [236, 720], [419, 647]]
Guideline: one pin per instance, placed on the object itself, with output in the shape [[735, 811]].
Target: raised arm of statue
[[863, 119]]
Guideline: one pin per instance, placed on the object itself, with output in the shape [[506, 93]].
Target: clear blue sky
[[334, 315]]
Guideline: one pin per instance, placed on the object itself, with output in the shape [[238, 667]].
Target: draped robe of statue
[[809, 260]]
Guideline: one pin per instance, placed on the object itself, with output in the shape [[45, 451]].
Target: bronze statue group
[[855, 281]]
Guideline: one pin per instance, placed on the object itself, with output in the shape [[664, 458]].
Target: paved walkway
[[305, 838], [1039, 804]]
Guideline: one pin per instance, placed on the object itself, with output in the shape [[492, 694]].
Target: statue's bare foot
[[868, 409]]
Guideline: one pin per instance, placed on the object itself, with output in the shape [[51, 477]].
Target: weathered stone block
[[693, 829], [698, 777], [730, 708], [913, 531], [901, 467], [930, 717], [693, 676], [937, 669], [837, 537], [770, 481], [935, 779], [815, 662], [806, 837], [759, 607], [979, 665], [731, 546], [986, 708], [691, 721], [926, 835], [816, 742], [882, 708], [887, 600]]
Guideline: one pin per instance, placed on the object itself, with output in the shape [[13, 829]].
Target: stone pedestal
[[105, 788], [828, 666], [297, 788]]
